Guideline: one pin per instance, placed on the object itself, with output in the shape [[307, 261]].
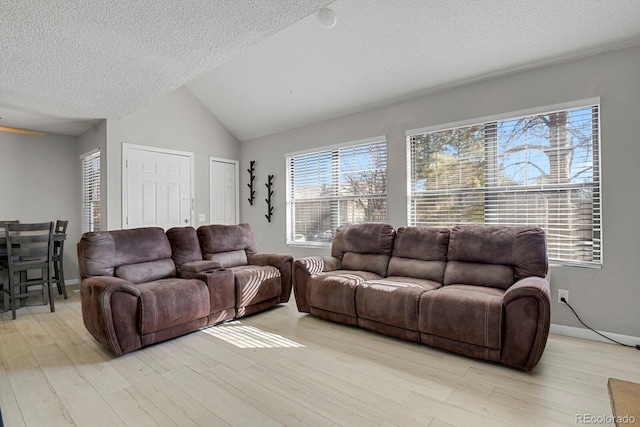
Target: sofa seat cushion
[[167, 303], [256, 283], [393, 300], [464, 313], [335, 291]]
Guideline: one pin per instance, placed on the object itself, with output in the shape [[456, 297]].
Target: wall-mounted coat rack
[[252, 177], [269, 184]]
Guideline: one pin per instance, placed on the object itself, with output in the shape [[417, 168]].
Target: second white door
[[224, 191]]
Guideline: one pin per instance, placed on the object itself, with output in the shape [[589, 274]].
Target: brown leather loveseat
[[481, 291], [142, 286]]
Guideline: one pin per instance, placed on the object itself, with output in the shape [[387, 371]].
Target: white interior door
[[224, 191], [158, 187]]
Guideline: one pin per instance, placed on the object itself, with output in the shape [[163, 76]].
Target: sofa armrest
[[304, 269], [526, 323], [284, 264], [110, 312], [198, 266]]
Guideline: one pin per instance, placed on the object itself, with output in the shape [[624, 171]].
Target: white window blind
[[540, 170], [333, 187], [91, 192]]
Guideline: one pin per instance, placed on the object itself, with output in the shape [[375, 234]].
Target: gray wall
[[176, 121], [606, 298], [40, 180]]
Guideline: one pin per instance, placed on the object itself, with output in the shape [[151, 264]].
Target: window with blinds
[[540, 170], [91, 191], [333, 187]]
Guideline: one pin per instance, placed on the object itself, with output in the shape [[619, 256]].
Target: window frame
[[334, 148], [514, 115], [88, 225]]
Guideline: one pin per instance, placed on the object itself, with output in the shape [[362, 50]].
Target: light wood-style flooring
[[283, 368]]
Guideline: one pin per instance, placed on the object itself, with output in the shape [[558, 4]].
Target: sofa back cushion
[[229, 258], [495, 256], [185, 246], [141, 254], [146, 271], [420, 252], [227, 241], [364, 247]]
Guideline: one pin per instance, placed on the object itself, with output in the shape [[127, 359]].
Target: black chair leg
[[23, 288], [51, 301], [12, 298], [62, 284], [4, 302], [58, 275]]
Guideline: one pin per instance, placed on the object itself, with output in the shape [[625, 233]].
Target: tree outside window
[[540, 170]]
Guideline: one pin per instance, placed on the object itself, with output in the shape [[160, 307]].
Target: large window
[[540, 170], [91, 191], [333, 187]]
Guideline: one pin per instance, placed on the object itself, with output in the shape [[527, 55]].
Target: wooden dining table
[[57, 237]]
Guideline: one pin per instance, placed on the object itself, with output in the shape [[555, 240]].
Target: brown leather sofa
[[481, 291], [142, 286]]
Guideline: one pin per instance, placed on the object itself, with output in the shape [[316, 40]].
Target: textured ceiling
[[67, 64], [263, 66]]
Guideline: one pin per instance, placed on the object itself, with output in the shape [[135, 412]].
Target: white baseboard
[[572, 331], [72, 282]]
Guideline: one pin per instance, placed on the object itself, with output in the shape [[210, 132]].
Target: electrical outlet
[[563, 293], [201, 218]]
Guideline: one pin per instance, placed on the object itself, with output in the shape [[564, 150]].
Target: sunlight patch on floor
[[248, 336]]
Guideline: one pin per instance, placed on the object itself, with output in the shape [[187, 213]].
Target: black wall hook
[[252, 177], [269, 184]]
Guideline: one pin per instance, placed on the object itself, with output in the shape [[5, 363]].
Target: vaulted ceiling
[[266, 66]]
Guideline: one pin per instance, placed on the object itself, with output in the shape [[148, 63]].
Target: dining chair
[[3, 263], [58, 250], [29, 247]]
